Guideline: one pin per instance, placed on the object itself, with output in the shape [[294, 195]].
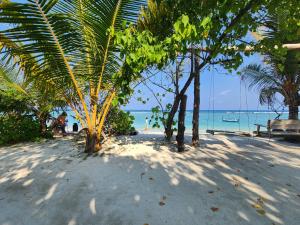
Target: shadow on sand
[[227, 180]]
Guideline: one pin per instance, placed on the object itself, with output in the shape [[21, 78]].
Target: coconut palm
[[74, 50], [276, 78], [281, 72], [36, 96]]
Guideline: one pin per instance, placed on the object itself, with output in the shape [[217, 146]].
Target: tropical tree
[[271, 80], [75, 52], [223, 23], [20, 95], [223, 40], [281, 72]]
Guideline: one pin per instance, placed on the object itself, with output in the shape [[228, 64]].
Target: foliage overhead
[[73, 50]]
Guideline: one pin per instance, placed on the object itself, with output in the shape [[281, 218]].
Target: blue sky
[[226, 94]]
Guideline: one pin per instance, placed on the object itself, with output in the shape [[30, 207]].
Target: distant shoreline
[[216, 110]]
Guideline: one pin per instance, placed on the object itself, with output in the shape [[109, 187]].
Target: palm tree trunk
[[196, 109], [293, 112], [92, 143]]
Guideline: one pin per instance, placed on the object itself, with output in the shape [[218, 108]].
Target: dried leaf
[[214, 209], [261, 211], [260, 200], [161, 203], [257, 206]]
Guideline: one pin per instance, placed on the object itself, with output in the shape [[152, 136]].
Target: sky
[[220, 89], [228, 92]]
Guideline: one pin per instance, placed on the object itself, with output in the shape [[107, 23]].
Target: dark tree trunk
[[170, 120], [196, 109], [293, 112], [92, 143], [43, 124], [181, 127]]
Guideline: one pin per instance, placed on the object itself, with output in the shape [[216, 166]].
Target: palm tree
[[276, 78], [37, 96], [74, 50], [281, 73]]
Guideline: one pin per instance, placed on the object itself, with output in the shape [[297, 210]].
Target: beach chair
[[280, 128]]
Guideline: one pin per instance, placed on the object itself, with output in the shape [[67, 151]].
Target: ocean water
[[207, 120], [214, 119]]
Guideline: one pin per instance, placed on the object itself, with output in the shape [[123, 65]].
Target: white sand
[[230, 180]]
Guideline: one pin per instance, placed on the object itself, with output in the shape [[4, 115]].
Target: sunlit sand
[[141, 180]]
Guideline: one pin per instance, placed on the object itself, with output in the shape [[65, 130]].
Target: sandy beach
[[140, 180]]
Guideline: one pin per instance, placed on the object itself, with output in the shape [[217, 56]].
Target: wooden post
[[181, 127]]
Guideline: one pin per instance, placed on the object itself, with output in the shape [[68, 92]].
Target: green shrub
[[120, 122], [16, 128]]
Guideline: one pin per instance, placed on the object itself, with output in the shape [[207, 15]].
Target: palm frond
[[9, 79], [268, 95], [260, 77]]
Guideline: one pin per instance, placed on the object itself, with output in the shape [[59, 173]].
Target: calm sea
[[214, 119], [209, 119]]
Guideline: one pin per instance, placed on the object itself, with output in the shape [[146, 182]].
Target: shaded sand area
[[140, 180]]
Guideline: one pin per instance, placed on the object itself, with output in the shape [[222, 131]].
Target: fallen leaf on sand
[[261, 211], [162, 200], [237, 183], [161, 203], [259, 206], [214, 209]]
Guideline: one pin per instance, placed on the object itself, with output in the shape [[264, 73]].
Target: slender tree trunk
[[92, 143], [181, 126], [293, 112], [170, 120], [196, 109], [43, 125]]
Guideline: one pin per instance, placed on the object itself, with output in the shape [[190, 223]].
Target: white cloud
[[225, 92]]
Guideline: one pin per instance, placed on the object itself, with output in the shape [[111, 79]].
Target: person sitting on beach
[[60, 123]]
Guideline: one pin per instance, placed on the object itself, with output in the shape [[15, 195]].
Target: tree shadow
[[227, 180]]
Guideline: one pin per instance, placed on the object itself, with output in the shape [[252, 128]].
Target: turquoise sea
[[209, 119], [214, 119]]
